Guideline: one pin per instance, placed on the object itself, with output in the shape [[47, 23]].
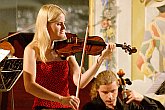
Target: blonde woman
[[45, 72]]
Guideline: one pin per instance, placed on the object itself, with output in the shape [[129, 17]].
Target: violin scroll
[[127, 48]]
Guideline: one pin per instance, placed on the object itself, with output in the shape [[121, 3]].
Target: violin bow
[[82, 62]]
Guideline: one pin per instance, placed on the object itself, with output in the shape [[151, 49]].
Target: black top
[[146, 104]]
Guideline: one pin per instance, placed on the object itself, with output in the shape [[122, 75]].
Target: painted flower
[[106, 13], [105, 23]]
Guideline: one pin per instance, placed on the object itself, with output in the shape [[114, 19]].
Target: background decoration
[[108, 27]]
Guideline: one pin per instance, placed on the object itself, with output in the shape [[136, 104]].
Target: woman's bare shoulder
[[31, 48]]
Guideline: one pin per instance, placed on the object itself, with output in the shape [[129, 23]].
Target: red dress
[[54, 77]]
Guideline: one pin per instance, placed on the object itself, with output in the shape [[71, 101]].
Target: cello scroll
[[122, 83]]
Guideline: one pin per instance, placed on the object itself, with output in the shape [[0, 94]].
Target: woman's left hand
[[107, 53]]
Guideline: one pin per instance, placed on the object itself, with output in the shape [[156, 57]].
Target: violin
[[94, 46], [122, 83]]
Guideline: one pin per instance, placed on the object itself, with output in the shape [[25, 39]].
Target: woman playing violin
[[45, 73]]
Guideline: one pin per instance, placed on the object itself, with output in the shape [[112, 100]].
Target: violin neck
[[119, 45], [96, 43]]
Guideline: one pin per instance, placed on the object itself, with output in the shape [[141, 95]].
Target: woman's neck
[[51, 55]]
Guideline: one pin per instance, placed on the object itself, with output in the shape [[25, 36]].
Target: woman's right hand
[[71, 101]]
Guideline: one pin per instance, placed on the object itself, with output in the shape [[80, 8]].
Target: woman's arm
[[90, 73], [29, 75]]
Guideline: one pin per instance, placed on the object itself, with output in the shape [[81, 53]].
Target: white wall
[[124, 35]]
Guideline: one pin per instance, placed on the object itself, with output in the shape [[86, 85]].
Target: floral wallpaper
[[108, 28]]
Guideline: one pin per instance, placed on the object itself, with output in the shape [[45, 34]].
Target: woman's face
[[57, 29]]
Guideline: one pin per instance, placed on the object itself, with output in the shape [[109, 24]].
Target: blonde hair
[[47, 13], [103, 78]]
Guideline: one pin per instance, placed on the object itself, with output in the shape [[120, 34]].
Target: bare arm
[[29, 75], [89, 74]]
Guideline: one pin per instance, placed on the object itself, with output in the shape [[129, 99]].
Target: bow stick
[[82, 62]]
